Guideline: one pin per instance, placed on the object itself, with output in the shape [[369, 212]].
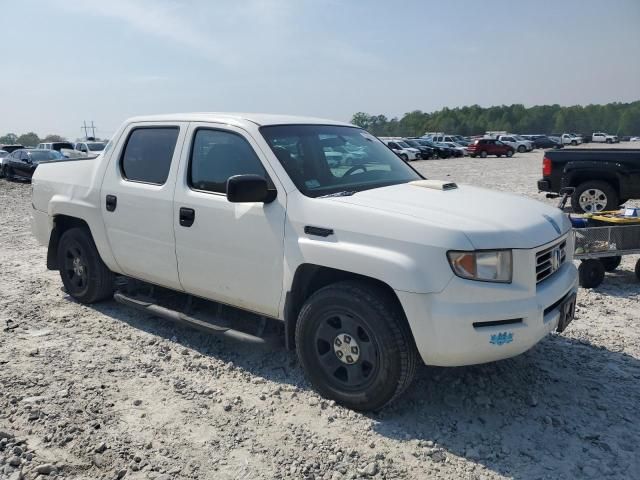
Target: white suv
[[402, 149], [518, 143]]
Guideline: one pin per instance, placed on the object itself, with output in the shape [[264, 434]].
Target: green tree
[[54, 138], [620, 118], [8, 139], [362, 120], [28, 139]]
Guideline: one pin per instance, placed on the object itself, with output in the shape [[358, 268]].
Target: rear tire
[[595, 196], [509, 154], [380, 357], [591, 273], [611, 263], [84, 274], [404, 157]]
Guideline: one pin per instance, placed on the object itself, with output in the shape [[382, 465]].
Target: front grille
[[549, 260]]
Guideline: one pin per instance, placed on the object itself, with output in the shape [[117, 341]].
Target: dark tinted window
[[217, 155], [60, 145], [147, 154]]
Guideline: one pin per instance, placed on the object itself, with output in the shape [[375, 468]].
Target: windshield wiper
[[344, 193]]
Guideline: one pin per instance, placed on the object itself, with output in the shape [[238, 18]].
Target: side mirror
[[249, 189]]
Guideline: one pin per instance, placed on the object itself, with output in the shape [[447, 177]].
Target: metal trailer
[[601, 249]]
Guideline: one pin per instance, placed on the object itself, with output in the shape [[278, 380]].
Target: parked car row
[[414, 148]]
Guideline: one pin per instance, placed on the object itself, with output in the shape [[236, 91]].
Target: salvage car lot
[[101, 390]]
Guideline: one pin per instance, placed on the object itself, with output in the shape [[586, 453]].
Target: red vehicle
[[487, 146]]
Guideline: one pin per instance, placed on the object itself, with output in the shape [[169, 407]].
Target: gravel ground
[[106, 392]]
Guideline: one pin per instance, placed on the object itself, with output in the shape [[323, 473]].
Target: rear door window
[[147, 154]]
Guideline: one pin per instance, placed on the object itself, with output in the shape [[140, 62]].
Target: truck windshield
[[325, 159]]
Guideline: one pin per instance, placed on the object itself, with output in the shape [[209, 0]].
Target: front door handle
[[187, 216], [111, 203]]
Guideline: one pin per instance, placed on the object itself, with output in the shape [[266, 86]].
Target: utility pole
[[86, 129]]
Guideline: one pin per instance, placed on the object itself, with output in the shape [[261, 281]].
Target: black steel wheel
[[638, 269], [348, 354], [355, 345], [591, 273], [84, 275]]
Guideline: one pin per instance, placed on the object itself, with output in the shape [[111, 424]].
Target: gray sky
[[105, 60]]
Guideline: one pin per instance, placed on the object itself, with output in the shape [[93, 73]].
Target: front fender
[[405, 267]]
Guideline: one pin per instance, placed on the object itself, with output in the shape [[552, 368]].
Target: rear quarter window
[[147, 155]]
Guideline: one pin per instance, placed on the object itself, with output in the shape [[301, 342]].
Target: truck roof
[[239, 119]]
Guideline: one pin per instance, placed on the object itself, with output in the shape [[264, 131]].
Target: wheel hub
[[346, 348], [593, 200], [78, 267]]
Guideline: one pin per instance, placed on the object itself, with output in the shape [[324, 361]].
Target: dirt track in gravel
[[104, 391]]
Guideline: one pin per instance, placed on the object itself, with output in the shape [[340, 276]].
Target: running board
[[179, 317]]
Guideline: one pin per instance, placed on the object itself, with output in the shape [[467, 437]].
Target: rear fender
[[88, 213]]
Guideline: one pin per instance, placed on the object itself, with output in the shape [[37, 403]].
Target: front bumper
[[443, 323]]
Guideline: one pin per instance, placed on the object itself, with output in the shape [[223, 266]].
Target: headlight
[[483, 265]]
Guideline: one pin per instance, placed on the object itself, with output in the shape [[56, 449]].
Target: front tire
[[404, 157], [84, 275], [574, 143], [355, 346], [509, 154], [522, 149], [594, 197], [483, 154]]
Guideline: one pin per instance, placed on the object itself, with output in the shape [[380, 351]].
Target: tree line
[[30, 139], [614, 118]]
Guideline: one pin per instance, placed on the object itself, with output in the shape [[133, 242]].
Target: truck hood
[[489, 219]]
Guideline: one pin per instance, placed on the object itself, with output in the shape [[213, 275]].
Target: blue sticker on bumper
[[501, 338]]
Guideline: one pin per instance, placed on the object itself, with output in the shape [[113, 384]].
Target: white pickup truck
[[368, 267], [570, 139], [520, 144], [600, 137], [89, 148]]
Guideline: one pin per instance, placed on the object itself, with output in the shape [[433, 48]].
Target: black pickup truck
[[603, 178]]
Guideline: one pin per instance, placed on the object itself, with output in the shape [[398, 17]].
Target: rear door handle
[[111, 203], [187, 216]]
